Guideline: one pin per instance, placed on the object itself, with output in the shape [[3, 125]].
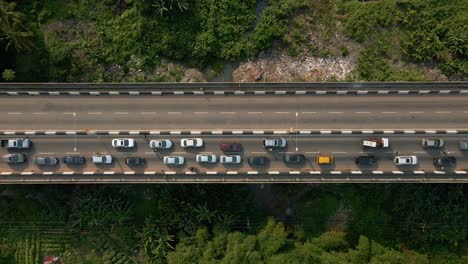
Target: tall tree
[[14, 33]]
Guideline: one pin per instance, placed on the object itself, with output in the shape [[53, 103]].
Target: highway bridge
[[315, 119]]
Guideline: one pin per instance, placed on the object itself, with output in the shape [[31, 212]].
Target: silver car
[[432, 143], [191, 142], [45, 161], [123, 143], [174, 160], [464, 145], [230, 159], [160, 144], [207, 158], [406, 160], [102, 159]]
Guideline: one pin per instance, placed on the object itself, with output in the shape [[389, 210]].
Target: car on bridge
[[443, 162], [123, 143], [365, 160], [206, 158], [102, 159], [191, 142], [405, 160], [294, 158], [14, 158], [160, 144], [258, 161], [274, 142], [231, 147], [463, 145], [174, 160], [375, 143], [135, 161], [324, 160], [74, 160], [230, 159], [432, 143], [45, 161]]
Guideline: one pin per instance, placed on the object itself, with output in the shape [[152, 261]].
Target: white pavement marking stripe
[[445, 91], [51, 132], [94, 93], [88, 172], [33, 93], [212, 172], [179, 92], [252, 172], [443, 112], [335, 112], [12, 93], [218, 92], [424, 92], [452, 131], [301, 92], [258, 132], [417, 112], [321, 92], [382, 92], [325, 132], [403, 92], [409, 132], [150, 172], [68, 172], [14, 113], [156, 93], [195, 132], [217, 132], [175, 133], [114, 132], [430, 131], [362, 92], [259, 92], [231, 172], [30, 132], [418, 172], [198, 92], [280, 92], [9, 133], [134, 132], [389, 132], [315, 172], [368, 132], [305, 132], [6, 173], [27, 173], [70, 133], [356, 172], [114, 93], [335, 172], [129, 172], [191, 172], [47, 173], [170, 172], [281, 113], [377, 172], [464, 91], [460, 172], [54, 93], [237, 132], [346, 132], [280, 132], [294, 172], [200, 113], [134, 93], [239, 92], [439, 172], [109, 172], [308, 112], [273, 172], [155, 132], [397, 172]]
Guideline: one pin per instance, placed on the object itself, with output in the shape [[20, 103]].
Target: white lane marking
[[443, 112], [148, 113], [312, 152], [40, 113], [120, 113], [14, 113], [281, 113], [335, 112], [339, 152], [201, 113], [227, 113], [308, 112], [258, 152], [254, 113], [362, 112], [174, 113], [46, 153], [417, 112], [389, 112], [252, 172], [94, 113]]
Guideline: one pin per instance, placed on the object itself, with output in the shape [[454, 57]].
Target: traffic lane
[[230, 112], [343, 148], [255, 120]]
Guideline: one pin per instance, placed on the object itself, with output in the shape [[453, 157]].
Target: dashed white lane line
[[40, 113], [120, 113], [148, 113], [174, 113], [46, 153], [201, 113], [312, 152], [94, 113], [227, 113], [417, 112], [443, 112], [254, 113], [14, 113], [389, 112], [335, 112], [308, 112], [281, 113], [362, 112]]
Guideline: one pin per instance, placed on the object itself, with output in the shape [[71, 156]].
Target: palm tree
[[13, 29], [204, 215], [163, 6]]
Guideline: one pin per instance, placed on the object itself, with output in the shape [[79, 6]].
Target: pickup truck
[[375, 143], [16, 143]]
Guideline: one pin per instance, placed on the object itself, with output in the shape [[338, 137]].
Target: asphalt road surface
[[343, 147], [364, 112]]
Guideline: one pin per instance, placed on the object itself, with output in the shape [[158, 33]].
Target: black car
[[294, 158], [365, 160], [444, 161], [74, 160], [135, 161], [258, 161]]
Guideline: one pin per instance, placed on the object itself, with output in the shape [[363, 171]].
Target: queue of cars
[[231, 153]]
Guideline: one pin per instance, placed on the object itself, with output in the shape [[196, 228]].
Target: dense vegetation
[[115, 40], [226, 224]]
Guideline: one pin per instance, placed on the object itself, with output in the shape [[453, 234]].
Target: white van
[[375, 143]]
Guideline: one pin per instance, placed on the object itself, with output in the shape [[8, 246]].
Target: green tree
[[14, 33], [8, 75]]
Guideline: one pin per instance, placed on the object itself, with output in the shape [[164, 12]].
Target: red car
[[233, 147]]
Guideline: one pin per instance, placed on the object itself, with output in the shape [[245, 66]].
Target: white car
[[209, 158], [160, 144], [123, 143], [102, 159], [375, 143], [274, 142], [230, 159], [191, 142], [174, 160], [406, 160]]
